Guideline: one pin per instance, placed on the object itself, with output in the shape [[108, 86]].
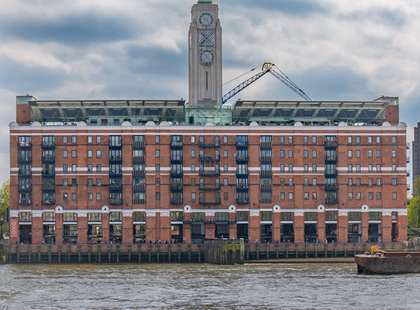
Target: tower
[[205, 56]]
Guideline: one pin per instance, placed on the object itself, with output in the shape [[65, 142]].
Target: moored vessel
[[383, 262]]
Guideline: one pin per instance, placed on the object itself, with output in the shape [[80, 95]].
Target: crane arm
[[232, 93], [276, 72]]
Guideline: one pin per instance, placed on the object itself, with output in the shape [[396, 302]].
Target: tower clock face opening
[[206, 19]]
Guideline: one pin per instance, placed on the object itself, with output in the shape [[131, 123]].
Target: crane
[[267, 67]]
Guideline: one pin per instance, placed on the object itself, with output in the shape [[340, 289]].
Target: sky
[[137, 49]]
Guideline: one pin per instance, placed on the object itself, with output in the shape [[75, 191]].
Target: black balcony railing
[[331, 201], [48, 174], [242, 158], [331, 173], [24, 173], [47, 145], [266, 173], [48, 186], [117, 159], [176, 159], [331, 187], [115, 187], [25, 145], [241, 144], [265, 159], [242, 189], [25, 189], [113, 173], [138, 145], [115, 146], [48, 158], [330, 159], [242, 201], [138, 173], [139, 188], [265, 145], [176, 145], [266, 189], [177, 173], [115, 201], [242, 173], [176, 201], [331, 144], [138, 160], [177, 187]]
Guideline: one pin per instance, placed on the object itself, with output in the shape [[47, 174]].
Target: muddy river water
[[259, 286]]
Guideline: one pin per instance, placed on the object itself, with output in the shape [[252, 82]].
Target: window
[[290, 153], [157, 139], [349, 181], [98, 182], [282, 154], [314, 196], [282, 168], [90, 168], [305, 140], [394, 195], [394, 154], [370, 196], [157, 168], [378, 140], [394, 168], [290, 139], [98, 153], [192, 153], [378, 154], [350, 195], [98, 168], [369, 140], [225, 139], [314, 140], [378, 196], [358, 196], [157, 152], [192, 168], [89, 154], [225, 168], [358, 139], [314, 168], [394, 181], [98, 139], [349, 154], [281, 140], [192, 139], [282, 196], [225, 182], [314, 154], [89, 139], [305, 168], [394, 140], [357, 154], [65, 154], [74, 154], [350, 168], [73, 139], [290, 195], [305, 154], [349, 140], [65, 168], [64, 140], [73, 168], [90, 196], [306, 196], [225, 154], [370, 154], [73, 196], [314, 182], [157, 194], [290, 168]]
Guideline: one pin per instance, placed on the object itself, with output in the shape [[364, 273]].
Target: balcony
[[48, 146], [177, 187], [176, 145], [48, 186], [242, 188], [115, 201], [266, 173], [209, 173], [115, 146], [177, 173], [265, 145], [242, 173], [48, 159], [115, 174], [242, 201], [265, 159], [330, 159], [48, 174], [138, 145], [138, 173], [115, 187], [330, 144], [331, 173], [242, 158], [210, 158], [25, 160], [210, 200], [176, 159], [266, 189], [138, 160], [25, 173], [210, 187], [331, 201], [241, 144], [25, 145], [26, 189], [331, 187], [176, 201], [115, 159], [139, 188]]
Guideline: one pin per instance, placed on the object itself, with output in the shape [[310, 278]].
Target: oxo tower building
[[135, 171]]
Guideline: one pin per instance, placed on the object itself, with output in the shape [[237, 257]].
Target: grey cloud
[[73, 28], [19, 77], [381, 15], [293, 7]]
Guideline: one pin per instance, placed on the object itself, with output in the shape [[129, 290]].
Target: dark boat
[[388, 263]]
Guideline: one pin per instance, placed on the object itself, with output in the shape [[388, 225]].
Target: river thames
[[259, 286]]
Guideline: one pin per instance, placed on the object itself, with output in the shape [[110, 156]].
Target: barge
[[388, 263]]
